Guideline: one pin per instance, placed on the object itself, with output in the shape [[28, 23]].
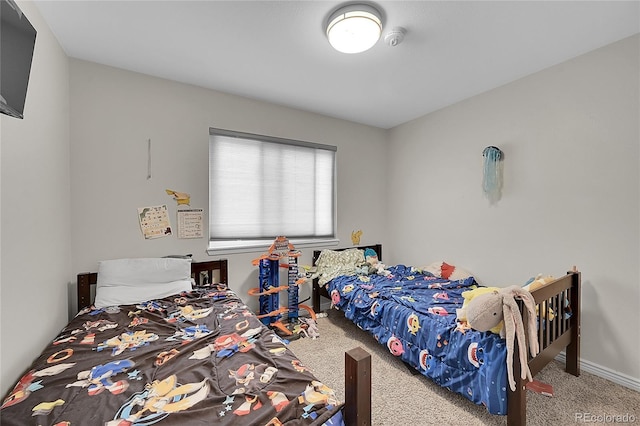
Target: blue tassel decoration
[[492, 181]]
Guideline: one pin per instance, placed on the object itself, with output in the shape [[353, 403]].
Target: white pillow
[[435, 268], [130, 281]]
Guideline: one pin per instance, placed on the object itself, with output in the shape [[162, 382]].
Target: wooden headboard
[[203, 273], [318, 290]]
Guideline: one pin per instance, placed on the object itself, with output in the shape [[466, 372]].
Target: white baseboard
[[606, 373]]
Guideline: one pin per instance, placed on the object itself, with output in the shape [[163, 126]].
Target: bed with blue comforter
[[414, 313]]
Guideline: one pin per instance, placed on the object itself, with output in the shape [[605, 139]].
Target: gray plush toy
[[487, 310]]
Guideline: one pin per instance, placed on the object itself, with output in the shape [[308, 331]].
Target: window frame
[[228, 246]]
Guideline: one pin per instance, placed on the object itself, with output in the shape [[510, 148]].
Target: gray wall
[[36, 210], [115, 112], [571, 191]]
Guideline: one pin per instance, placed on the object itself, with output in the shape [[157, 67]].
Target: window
[[261, 187]]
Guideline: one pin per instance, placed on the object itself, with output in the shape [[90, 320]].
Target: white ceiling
[[277, 51]]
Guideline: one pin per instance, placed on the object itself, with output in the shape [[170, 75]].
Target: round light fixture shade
[[354, 28]]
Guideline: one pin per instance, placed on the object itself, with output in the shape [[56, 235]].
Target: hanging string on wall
[[148, 159], [492, 179]]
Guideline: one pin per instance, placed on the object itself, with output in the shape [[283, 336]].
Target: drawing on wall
[[154, 221], [190, 223], [180, 197]]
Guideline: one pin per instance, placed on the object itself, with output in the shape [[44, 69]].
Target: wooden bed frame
[[317, 290], [357, 406], [204, 273], [553, 336]]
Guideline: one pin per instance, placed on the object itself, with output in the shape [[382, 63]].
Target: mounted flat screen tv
[[17, 40]]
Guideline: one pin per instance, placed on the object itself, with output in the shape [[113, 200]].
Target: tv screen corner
[[17, 43]]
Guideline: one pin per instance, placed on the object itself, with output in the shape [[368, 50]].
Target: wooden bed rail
[[558, 318], [561, 322]]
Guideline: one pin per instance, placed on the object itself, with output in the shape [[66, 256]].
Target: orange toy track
[[256, 291], [308, 309], [282, 310], [280, 249], [282, 327], [278, 324]]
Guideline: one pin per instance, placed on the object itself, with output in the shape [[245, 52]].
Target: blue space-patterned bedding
[[414, 315]]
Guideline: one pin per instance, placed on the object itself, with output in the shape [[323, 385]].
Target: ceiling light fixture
[[354, 28]]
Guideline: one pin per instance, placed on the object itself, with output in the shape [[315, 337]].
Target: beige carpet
[[400, 397]]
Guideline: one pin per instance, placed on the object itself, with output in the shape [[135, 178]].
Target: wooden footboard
[[558, 320]]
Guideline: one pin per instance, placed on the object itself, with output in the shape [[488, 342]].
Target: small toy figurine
[[312, 327]]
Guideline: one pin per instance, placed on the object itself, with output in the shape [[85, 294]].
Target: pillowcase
[[332, 263], [131, 281], [446, 271]]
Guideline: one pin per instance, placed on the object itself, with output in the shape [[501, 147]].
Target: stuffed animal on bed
[[487, 310], [375, 266], [468, 296]]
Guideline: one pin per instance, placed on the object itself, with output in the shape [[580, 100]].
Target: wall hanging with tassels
[[492, 180]]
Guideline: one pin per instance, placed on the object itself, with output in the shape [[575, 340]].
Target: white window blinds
[[261, 187]]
